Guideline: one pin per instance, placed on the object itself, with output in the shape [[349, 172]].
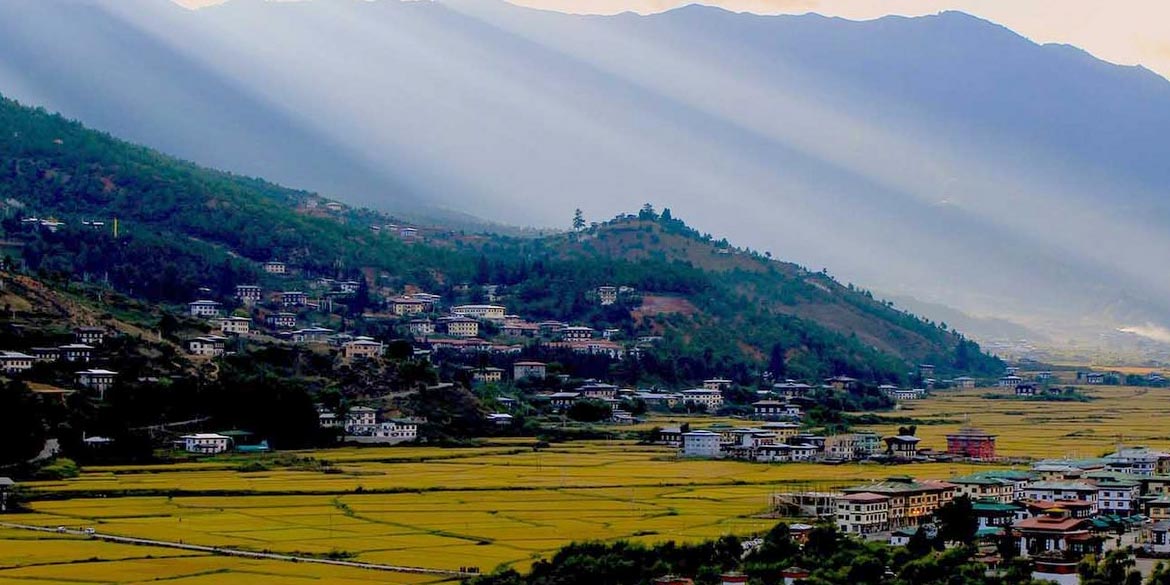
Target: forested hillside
[[719, 310]]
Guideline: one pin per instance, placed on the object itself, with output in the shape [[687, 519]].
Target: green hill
[[719, 310]]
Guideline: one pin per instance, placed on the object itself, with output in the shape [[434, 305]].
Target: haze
[[944, 158], [1126, 32]]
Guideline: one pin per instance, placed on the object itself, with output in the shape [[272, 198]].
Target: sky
[[1125, 32]]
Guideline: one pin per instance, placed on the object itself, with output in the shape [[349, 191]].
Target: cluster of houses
[[1059, 510], [85, 349], [461, 328], [780, 441]]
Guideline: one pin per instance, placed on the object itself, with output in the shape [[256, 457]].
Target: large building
[[972, 443], [488, 312], [536, 370], [863, 513], [203, 308], [712, 399], [701, 444]]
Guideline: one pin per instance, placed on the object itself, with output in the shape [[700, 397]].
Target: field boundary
[[232, 552]]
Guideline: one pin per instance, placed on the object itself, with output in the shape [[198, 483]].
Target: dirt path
[[237, 552]]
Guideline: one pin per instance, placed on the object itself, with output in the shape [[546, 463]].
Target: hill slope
[[182, 227], [942, 157]]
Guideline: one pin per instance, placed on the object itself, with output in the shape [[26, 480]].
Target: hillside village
[[207, 338]]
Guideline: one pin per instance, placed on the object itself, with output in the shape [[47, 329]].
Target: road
[[237, 552]]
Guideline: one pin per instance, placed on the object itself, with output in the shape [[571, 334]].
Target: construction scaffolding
[[804, 503]]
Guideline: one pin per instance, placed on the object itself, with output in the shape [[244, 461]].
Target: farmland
[[1050, 429], [507, 503]]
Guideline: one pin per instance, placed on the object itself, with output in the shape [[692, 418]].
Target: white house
[[535, 370], [394, 431], [248, 293], [1057, 491], [1117, 496], [577, 333], [13, 362], [862, 513], [98, 380], [275, 268], [701, 444], [281, 320], [712, 399], [234, 325], [206, 443], [208, 346], [203, 308], [489, 312], [361, 420], [76, 352]]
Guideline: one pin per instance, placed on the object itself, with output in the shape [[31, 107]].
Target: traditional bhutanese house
[[1158, 507], [14, 362], [971, 443], [76, 352], [1009, 381], [982, 487], [791, 389], [403, 306], [1057, 491], [902, 446], [1072, 508], [911, 502], [769, 409], [1056, 531], [841, 382], [863, 513], [421, 327], [563, 400], [529, 369], [89, 335], [488, 375], [963, 382], [793, 575], [782, 430], [1159, 540], [994, 513]]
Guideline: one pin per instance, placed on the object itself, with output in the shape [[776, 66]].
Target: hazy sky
[[1127, 32]]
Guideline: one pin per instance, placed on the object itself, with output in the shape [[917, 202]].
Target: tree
[[589, 411], [957, 521], [647, 213], [578, 220], [22, 430]]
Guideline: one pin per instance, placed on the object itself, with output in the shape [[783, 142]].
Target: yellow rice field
[[503, 504], [1136, 416]]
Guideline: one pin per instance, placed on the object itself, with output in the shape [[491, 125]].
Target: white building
[[712, 399], [535, 370], [275, 268], [97, 380], [248, 293], [76, 352], [13, 362], [361, 420], [209, 346], [701, 444], [862, 513], [1118, 497], [234, 325], [395, 431], [1138, 461], [489, 312], [1058, 491], [203, 308], [206, 443]]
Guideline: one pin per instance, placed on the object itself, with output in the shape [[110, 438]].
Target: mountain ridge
[[958, 147], [186, 229]]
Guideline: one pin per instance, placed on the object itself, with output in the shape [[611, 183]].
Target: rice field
[[1135, 416], [46, 558], [506, 504]]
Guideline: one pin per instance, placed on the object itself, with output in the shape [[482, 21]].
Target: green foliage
[[589, 411], [60, 468], [22, 426]]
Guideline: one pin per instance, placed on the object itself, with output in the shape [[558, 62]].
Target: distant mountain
[[942, 157], [188, 232]]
